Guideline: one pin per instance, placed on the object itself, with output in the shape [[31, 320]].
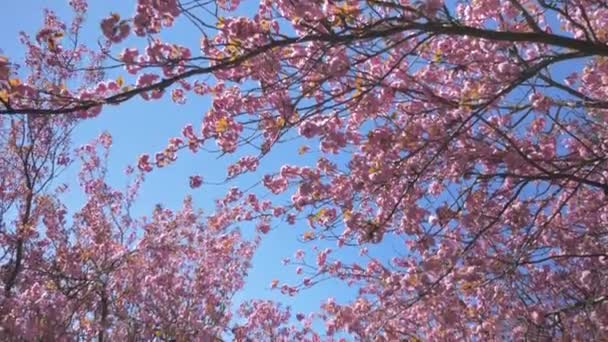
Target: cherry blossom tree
[[99, 273], [471, 132]]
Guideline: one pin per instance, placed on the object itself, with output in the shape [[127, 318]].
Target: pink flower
[[130, 57], [307, 281], [144, 163], [322, 257], [114, 29], [264, 227], [299, 254], [105, 139], [196, 181]]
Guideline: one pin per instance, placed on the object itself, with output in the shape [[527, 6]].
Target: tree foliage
[[473, 132]]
